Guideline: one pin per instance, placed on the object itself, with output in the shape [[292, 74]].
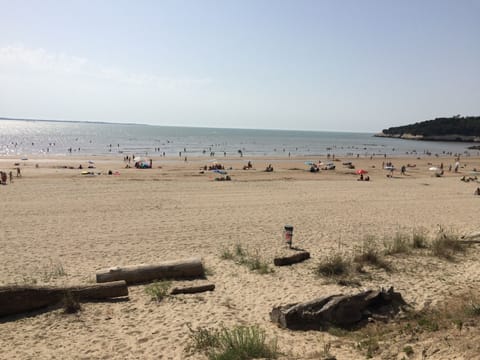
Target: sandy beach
[[58, 227]]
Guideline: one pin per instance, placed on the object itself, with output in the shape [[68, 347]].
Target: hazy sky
[[320, 65]]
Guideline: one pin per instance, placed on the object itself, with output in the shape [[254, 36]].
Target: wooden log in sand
[[192, 289], [338, 310], [472, 238], [292, 259], [179, 269], [19, 299]]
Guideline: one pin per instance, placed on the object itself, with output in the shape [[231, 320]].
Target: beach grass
[[446, 245], [370, 254], [158, 290], [334, 265], [237, 343], [253, 261]]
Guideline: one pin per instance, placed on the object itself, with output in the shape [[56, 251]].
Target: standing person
[[19, 174], [11, 176], [403, 169]]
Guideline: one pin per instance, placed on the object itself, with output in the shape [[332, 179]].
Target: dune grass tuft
[[242, 257], [370, 254], [446, 244], [237, 343], [335, 265], [399, 245], [158, 290]]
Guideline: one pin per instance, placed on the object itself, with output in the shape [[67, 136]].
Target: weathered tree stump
[[192, 289], [19, 299], [291, 259], [337, 310], [180, 269]]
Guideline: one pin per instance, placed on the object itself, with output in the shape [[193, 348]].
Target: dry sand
[[54, 217]]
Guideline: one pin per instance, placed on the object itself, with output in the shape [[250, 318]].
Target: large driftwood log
[[192, 289], [19, 299], [292, 259], [180, 269], [337, 310]]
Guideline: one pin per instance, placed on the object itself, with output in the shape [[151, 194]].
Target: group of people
[[363, 178], [4, 176], [248, 166]]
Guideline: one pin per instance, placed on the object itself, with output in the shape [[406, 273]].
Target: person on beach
[[3, 177], [10, 174], [19, 174]]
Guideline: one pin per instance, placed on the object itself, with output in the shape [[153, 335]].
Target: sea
[[58, 138]]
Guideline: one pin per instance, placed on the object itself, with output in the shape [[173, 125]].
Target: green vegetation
[[456, 125], [334, 265], [419, 238], [371, 255], [446, 245], [158, 290], [238, 343], [53, 271], [400, 245], [408, 350], [242, 257]]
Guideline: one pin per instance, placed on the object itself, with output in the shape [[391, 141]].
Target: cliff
[[456, 128]]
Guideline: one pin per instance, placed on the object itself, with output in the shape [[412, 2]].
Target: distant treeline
[[466, 126]]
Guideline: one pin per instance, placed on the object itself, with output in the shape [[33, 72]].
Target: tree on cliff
[[456, 125]]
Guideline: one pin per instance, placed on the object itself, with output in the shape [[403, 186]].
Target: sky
[[307, 65]]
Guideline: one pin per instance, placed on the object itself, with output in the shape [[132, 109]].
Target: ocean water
[[26, 137]]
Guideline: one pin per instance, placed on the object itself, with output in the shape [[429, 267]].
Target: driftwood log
[[180, 269], [472, 238], [192, 289], [19, 299], [338, 310], [292, 259]]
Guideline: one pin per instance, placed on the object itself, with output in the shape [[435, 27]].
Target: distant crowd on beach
[[8, 176]]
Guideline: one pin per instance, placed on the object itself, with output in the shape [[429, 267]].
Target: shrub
[[238, 343], [227, 255], [53, 271], [400, 245], [243, 257], [446, 245], [334, 265], [419, 239], [408, 350], [369, 254], [158, 290]]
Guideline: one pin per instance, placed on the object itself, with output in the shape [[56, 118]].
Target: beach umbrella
[[361, 171]]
